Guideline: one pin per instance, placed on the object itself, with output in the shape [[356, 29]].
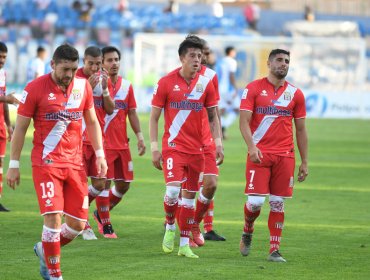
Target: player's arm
[[302, 143], [21, 126], [9, 99], [153, 132], [214, 125], [94, 133], [108, 102], [7, 121], [135, 125], [255, 154]]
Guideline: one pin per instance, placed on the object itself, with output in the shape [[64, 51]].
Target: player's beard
[[280, 73], [64, 82]]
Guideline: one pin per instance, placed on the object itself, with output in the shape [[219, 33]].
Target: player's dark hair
[[190, 42], [3, 47], [274, 52], [65, 52], [92, 51], [229, 49], [111, 49], [40, 49]]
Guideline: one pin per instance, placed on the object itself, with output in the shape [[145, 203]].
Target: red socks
[[249, 218]]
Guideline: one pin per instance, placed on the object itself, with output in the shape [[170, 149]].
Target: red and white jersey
[[183, 110], [273, 111], [207, 135], [2, 93], [57, 118], [115, 128], [98, 105]]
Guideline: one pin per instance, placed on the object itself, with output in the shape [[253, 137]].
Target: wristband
[[100, 153], [154, 146], [140, 136], [105, 92], [218, 141], [14, 163]]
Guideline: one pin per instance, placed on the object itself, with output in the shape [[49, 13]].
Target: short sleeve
[[300, 105], [159, 94], [27, 104], [131, 98], [215, 85], [89, 97], [248, 99], [211, 96]]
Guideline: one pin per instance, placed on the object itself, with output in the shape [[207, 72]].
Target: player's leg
[[257, 187], [2, 155], [281, 187]]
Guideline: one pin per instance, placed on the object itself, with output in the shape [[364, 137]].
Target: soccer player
[[4, 116], [267, 107], [120, 166], [103, 104], [183, 94], [229, 102], [36, 66], [57, 102], [205, 204]]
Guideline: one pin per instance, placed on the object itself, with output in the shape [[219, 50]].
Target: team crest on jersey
[[287, 96], [76, 94], [245, 93], [199, 88]]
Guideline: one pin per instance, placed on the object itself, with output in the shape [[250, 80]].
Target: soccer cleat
[[245, 244], [187, 252], [108, 232], [98, 221], [168, 241], [212, 235], [275, 256], [197, 235], [3, 208], [39, 251], [192, 244], [88, 233]]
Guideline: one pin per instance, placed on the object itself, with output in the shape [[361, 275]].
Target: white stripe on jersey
[[182, 115], [267, 121], [210, 73], [54, 136], [109, 118]]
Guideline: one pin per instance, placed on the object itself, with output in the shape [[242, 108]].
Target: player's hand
[[101, 167], [219, 155], [13, 177], [157, 159], [94, 80], [10, 132], [104, 78], [302, 172], [255, 155], [11, 99], [141, 147]]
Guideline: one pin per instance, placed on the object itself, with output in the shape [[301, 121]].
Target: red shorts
[[89, 158], [274, 175], [2, 147], [61, 190], [210, 166], [181, 167], [120, 166]]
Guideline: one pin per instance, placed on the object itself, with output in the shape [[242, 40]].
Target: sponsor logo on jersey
[[24, 97], [199, 88], [245, 93], [188, 95], [51, 96], [48, 203], [170, 174], [187, 105], [98, 103], [64, 115], [272, 110], [264, 93], [176, 88], [120, 105], [287, 96]]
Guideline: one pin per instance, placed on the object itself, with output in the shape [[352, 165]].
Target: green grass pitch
[[326, 234]]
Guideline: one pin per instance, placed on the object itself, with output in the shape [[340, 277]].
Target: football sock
[[186, 218], [275, 224], [102, 204], [250, 215], [208, 218], [170, 202], [67, 234], [51, 246], [93, 193], [114, 197], [202, 207]]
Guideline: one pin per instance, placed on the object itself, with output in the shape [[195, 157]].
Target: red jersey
[[273, 111], [2, 93], [57, 118], [115, 128], [207, 135], [98, 105], [183, 110]]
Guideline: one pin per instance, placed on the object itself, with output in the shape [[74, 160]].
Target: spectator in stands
[[84, 8], [252, 14], [308, 13], [36, 66], [172, 7]]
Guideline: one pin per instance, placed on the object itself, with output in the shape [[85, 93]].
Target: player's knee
[[210, 185], [172, 194], [254, 202], [276, 203], [122, 187]]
